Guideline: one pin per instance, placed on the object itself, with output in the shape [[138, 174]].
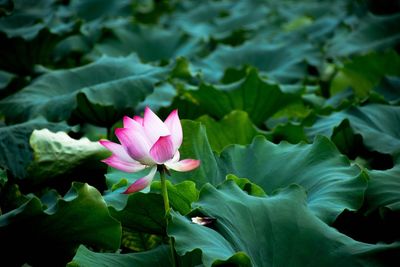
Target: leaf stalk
[[164, 191]]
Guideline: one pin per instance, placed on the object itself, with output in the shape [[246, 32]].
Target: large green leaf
[[150, 43], [55, 154], [388, 88], [320, 29], [280, 62], [196, 146], [376, 123], [162, 96], [29, 17], [157, 257], [383, 189], [263, 231], [100, 9], [247, 186], [331, 182], [381, 208], [12, 28], [290, 132], [234, 128], [29, 33], [257, 97], [181, 196], [369, 33], [57, 226], [363, 73], [219, 20], [14, 143], [100, 92], [140, 212]]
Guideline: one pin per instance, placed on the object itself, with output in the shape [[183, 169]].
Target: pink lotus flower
[[148, 143]]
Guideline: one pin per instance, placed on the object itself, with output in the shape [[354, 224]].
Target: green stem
[[164, 192]]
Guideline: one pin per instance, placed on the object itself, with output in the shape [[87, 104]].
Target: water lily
[[148, 143]]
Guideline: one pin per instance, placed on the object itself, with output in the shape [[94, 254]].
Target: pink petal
[[175, 158], [174, 126], [141, 183], [162, 150], [184, 165], [138, 119], [126, 166], [130, 123], [135, 143], [153, 126], [116, 149]]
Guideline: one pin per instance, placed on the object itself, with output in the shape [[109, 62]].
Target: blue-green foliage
[[291, 106]]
